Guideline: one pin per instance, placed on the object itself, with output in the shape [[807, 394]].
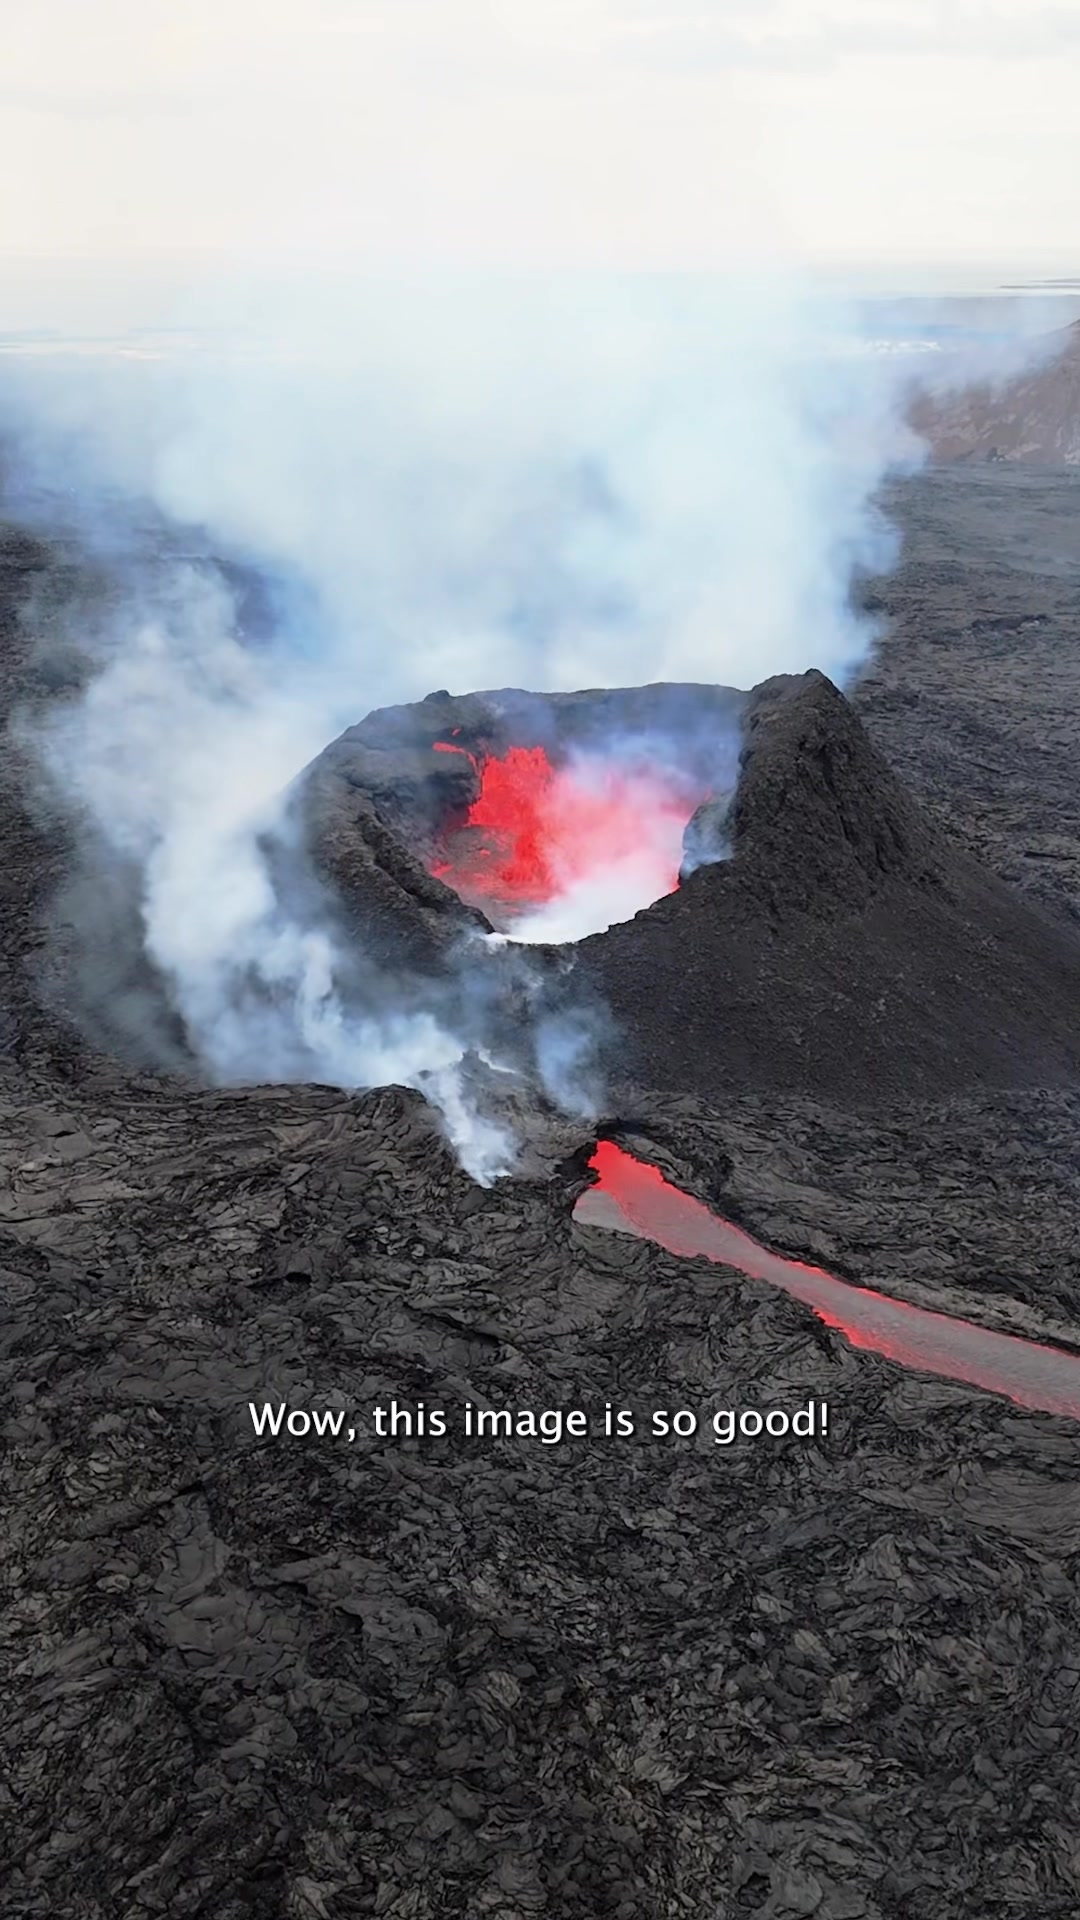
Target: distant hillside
[[1034, 419]]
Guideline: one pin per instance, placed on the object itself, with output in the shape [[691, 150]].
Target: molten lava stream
[[632, 1196]]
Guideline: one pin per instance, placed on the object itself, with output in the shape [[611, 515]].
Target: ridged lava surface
[[248, 1680]]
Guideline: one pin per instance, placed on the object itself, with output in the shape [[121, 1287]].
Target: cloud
[[525, 132], [786, 33], [440, 483]]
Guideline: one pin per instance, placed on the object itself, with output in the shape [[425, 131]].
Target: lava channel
[[633, 1197], [556, 852]]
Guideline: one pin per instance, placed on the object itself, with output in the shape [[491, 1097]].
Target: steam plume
[[549, 485]]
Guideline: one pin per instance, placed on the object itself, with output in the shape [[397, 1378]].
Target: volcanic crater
[[549, 816], [804, 924]]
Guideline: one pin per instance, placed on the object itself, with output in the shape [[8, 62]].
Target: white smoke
[[596, 900], [180, 753], [543, 485], [526, 483]]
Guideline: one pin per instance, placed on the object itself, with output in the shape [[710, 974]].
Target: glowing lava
[[556, 852], [634, 1197]]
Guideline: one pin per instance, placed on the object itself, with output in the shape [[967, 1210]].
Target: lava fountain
[[554, 852]]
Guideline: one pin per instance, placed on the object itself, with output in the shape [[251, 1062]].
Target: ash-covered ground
[[249, 1678]]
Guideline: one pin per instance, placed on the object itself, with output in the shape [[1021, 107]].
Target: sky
[[630, 134]]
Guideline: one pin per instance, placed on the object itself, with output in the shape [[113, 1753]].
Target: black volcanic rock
[[847, 948], [559, 722], [259, 1679], [818, 818], [392, 905]]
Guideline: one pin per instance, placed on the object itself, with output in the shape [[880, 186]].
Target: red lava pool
[[633, 1197], [538, 831]]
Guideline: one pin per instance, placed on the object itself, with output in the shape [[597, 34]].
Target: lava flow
[[555, 852], [632, 1196]]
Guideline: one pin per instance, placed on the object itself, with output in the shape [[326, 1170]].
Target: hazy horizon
[[541, 133], [72, 299]]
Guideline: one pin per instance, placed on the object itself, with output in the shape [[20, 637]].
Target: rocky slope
[[1033, 419], [847, 950]]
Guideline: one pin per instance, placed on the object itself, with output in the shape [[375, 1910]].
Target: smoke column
[[536, 483]]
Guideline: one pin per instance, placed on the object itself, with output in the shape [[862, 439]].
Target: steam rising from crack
[[547, 485]]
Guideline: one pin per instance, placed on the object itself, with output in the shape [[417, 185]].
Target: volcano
[[392, 1673], [802, 923]]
